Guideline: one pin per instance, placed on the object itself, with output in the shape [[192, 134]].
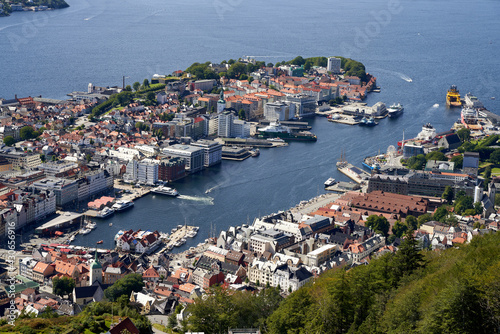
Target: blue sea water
[[415, 48]]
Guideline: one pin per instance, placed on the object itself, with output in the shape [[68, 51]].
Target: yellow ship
[[453, 97]]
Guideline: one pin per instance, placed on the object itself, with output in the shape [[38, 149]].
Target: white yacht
[[122, 205], [162, 190], [104, 213], [330, 182], [85, 231]]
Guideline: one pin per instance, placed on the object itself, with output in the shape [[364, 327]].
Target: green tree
[[145, 83], [124, 286], [441, 213], [136, 85], [27, 132], [408, 258], [458, 160], [241, 114], [151, 96], [9, 141], [62, 286], [411, 222], [436, 155], [128, 88], [426, 217], [399, 229], [236, 70], [464, 203], [299, 61], [378, 224], [495, 156], [464, 134], [448, 194], [416, 162]]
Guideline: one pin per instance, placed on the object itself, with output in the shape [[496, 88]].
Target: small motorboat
[[100, 241]]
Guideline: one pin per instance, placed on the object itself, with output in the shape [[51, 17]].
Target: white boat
[[162, 190], [330, 182], [395, 110], [122, 205], [110, 224], [191, 234], [178, 244], [276, 140], [84, 231], [91, 225], [104, 213], [72, 238], [173, 230]]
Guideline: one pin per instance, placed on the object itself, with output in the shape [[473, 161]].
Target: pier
[[177, 236], [354, 173]]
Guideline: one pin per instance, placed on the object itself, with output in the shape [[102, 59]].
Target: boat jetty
[[356, 174], [178, 236]]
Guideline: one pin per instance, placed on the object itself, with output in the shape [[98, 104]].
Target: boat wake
[[202, 200], [435, 105], [405, 77], [397, 74]]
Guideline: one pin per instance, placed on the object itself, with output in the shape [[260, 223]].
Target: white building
[[240, 129], [212, 151], [279, 111], [225, 122], [334, 65], [147, 172], [194, 156]]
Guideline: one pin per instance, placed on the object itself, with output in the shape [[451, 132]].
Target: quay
[[261, 143], [177, 236], [342, 187], [345, 119], [356, 174]]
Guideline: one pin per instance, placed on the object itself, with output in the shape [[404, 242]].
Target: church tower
[[221, 104], [95, 271]]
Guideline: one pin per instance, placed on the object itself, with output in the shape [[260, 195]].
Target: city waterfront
[[416, 55]]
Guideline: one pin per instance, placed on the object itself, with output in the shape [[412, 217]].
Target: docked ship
[[104, 213], [470, 118], [370, 164], [162, 190], [276, 130], [330, 182], [453, 97], [122, 205], [395, 110], [427, 134]]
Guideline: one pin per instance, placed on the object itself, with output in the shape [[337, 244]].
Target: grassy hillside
[[454, 291]]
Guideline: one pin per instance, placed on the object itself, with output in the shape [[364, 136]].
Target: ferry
[[276, 130], [395, 110], [453, 97], [330, 182], [162, 190], [122, 205], [104, 213]]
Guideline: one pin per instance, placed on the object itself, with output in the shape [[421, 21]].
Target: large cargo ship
[[453, 97], [276, 130]]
